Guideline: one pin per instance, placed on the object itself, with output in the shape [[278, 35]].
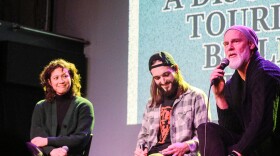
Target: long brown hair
[[45, 75], [157, 93]]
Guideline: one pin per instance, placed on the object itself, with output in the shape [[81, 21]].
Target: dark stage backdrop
[[32, 13]]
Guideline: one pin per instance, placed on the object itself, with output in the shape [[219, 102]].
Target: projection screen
[[192, 31]]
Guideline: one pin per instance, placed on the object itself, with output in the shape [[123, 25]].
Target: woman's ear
[[49, 81]]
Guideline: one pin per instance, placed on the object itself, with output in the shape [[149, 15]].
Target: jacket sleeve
[[263, 92], [227, 117], [37, 128]]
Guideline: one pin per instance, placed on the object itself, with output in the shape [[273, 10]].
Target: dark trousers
[[215, 140]]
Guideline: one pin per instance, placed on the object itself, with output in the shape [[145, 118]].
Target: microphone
[[224, 63], [66, 148]]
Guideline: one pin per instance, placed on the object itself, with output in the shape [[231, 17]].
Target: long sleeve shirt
[[253, 104], [189, 111]]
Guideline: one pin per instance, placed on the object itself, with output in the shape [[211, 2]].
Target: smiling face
[[60, 81], [164, 77], [237, 49]]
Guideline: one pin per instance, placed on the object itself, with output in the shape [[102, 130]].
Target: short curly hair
[[45, 75]]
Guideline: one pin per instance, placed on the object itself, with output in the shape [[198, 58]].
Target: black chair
[[87, 148], [33, 149]]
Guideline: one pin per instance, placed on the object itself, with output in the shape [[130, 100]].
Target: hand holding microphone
[[66, 148], [224, 63], [218, 87]]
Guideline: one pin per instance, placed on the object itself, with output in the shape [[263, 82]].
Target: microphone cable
[[205, 127], [224, 63]]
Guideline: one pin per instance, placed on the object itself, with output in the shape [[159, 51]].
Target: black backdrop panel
[[17, 103], [32, 13], [25, 62]]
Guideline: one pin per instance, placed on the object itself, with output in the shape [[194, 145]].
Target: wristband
[[192, 145]]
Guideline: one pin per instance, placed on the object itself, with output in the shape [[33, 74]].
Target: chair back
[[87, 148]]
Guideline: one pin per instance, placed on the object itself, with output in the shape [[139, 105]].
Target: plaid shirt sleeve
[[200, 113], [200, 110], [189, 112], [149, 129]]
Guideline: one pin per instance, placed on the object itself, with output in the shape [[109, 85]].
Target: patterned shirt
[[189, 111], [164, 127]]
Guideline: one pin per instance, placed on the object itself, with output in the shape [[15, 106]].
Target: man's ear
[[252, 46], [175, 67]]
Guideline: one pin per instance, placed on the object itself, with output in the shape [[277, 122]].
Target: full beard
[[237, 62], [172, 92]]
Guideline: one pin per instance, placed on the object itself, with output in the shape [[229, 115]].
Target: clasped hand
[[39, 141], [140, 152], [176, 149]]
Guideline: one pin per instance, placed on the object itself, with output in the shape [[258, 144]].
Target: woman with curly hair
[[62, 122]]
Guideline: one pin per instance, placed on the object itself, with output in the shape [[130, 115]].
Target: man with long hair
[[62, 123], [172, 114]]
